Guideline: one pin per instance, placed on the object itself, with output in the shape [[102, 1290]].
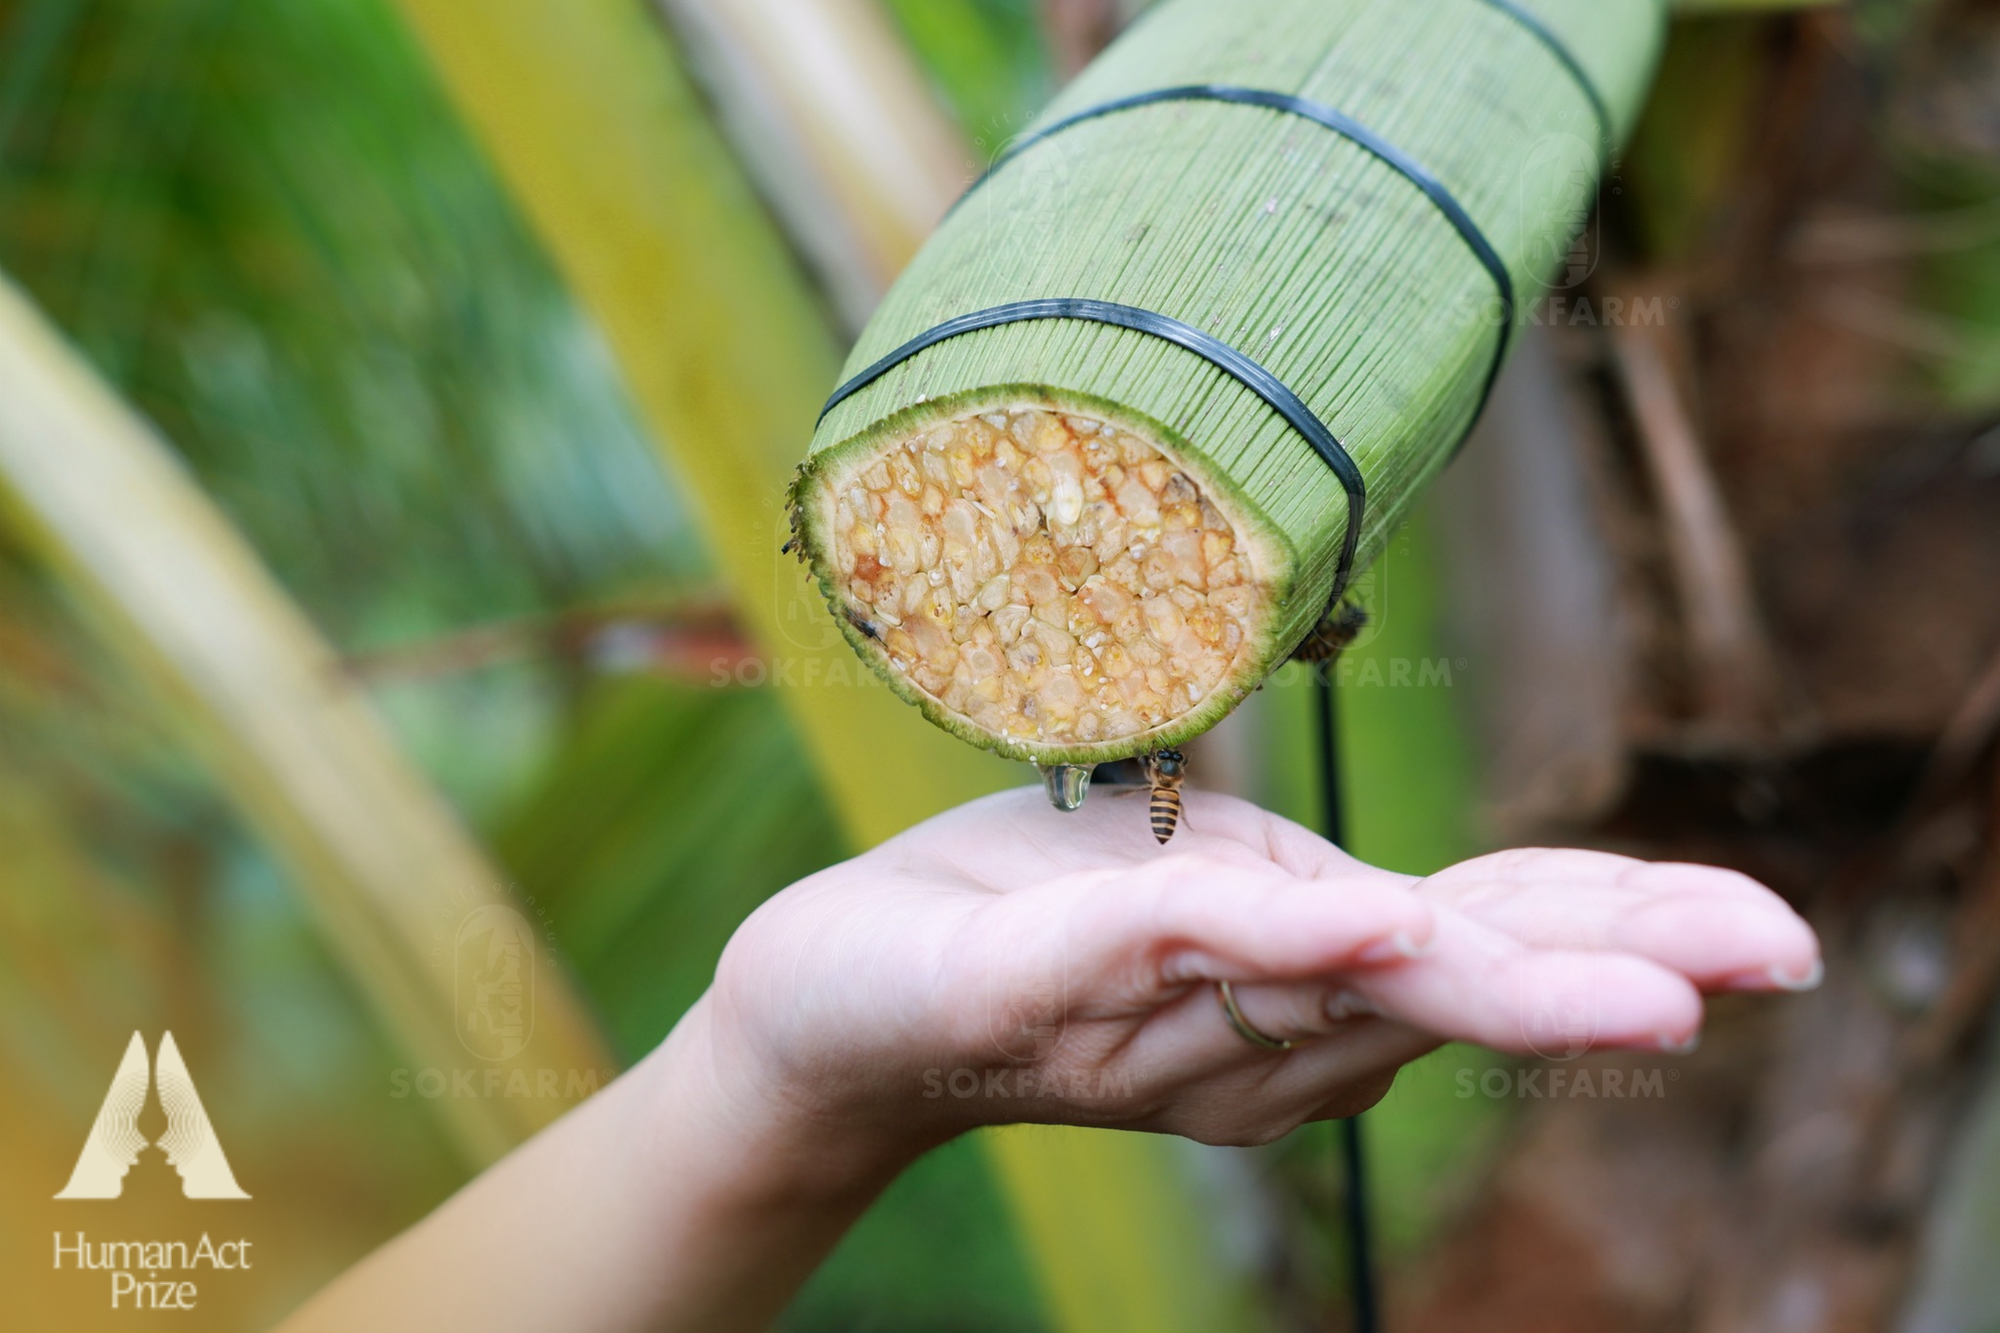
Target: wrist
[[766, 1139]]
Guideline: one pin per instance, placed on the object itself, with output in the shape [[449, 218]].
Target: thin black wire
[[1359, 1227], [1360, 1238]]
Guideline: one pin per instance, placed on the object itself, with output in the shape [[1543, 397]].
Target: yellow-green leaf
[[381, 860]]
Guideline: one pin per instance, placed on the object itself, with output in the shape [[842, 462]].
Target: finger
[[1334, 1088], [1719, 928], [1190, 1040], [1364, 1049], [1299, 1011], [1472, 984], [1195, 1035], [1259, 1099], [1482, 985], [1149, 932]]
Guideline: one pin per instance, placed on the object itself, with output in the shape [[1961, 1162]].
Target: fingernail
[[1776, 978], [1680, 1046], [1805, 981], [1395, 948]]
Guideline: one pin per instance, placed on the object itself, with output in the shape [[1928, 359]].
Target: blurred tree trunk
[[1802, 528]]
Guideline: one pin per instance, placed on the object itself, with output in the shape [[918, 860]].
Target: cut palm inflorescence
[[1071, 539]]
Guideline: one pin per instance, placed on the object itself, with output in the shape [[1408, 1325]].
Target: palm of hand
[[1006, 962]]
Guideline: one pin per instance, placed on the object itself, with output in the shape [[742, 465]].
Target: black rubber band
[[1210, 348], [1348, 128], [1557, 48]]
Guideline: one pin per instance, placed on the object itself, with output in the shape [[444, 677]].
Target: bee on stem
[[1165, 771]]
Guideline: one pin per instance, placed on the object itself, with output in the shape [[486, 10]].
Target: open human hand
[[1008, 962], [1005, 962]]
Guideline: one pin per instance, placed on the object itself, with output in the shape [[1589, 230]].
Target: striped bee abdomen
[[1165, 771], [1166, 812]]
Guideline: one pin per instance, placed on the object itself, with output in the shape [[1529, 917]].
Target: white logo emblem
[[114, 1142]]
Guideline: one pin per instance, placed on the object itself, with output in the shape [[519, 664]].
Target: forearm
[[669, 1201]]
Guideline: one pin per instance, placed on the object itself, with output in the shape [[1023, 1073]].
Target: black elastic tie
[[1210, 348], [1348, 128], [1544, 34]]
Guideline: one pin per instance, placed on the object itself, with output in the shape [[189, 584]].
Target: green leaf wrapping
[[1293, 244]]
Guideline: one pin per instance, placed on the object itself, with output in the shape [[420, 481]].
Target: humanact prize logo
[[114, 1142], [112, 1149]]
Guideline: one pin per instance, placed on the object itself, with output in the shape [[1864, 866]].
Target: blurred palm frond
[[837, 128], [379, 857]]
